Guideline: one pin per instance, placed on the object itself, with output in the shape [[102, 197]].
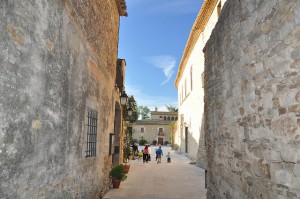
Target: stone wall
[[57, 58], [252, 101]]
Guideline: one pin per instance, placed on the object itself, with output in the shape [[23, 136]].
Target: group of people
[[147, 153]]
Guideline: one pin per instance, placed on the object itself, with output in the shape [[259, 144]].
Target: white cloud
[[151, 102], [166, 63]]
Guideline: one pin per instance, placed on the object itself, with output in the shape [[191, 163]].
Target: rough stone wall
[[57, 58], [252, 101], [201, 160]]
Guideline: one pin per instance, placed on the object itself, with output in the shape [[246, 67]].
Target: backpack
[[159, 151], [145, 151]]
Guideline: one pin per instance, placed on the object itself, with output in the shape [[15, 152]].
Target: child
[[140, 154], [159, 153], [168, 157]]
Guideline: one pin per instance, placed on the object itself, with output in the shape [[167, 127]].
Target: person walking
[[159, 153], [145, 154], [168, 157], [157, 147], [149, 152]]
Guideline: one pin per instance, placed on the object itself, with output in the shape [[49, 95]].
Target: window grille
[[160, 130], [91, 137]]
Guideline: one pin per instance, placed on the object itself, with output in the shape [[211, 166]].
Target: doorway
[[186, 139], [160, 141]]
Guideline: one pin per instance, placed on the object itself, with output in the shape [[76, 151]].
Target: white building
[[190, 81]]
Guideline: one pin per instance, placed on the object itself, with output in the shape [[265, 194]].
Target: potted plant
[[126, 168], [117, 174]]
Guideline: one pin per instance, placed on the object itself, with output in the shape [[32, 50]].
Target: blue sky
[[152, 40]]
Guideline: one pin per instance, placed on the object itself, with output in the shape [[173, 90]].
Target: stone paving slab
[[175, 180]]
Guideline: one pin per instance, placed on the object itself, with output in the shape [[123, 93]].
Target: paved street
[[175, 180]]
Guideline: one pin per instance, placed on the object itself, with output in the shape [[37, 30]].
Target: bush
[[154, 142], [143, 142], [133, 141], [118, 172], [166, 142]]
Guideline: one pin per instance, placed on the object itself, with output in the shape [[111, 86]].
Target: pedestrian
[[140, 154], [145, 154], [135, 149], [168, 157], [149, 152], [159, 153], [157, 146]]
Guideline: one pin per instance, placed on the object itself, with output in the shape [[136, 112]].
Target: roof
[[198, 27], [122, 7], [152, 122], [163, 113]]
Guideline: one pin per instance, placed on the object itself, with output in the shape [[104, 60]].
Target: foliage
[[143, 112], [154, 142], [133, 141], [118, 172], [142, 142], [171, 108], [127, 141], [173, 128]]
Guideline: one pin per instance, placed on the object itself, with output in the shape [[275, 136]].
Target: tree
[[172, 108], [143, 112]]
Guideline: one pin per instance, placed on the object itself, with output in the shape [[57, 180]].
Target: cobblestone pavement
[[176, 180]]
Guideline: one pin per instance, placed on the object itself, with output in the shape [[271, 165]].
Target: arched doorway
[[117, 132]]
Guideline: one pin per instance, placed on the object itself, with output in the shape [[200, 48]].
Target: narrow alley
[[178, 179], [84, 82]]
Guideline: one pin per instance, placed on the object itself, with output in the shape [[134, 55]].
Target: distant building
[[157, 128]]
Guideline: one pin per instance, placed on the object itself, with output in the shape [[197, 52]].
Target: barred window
[[91, 137]]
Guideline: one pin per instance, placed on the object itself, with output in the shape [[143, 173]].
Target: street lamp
[[129, 110], [123, 98]]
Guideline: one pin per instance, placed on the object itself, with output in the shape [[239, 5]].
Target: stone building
[[58, 101], [190, 84], [252, 101], [158, 127]]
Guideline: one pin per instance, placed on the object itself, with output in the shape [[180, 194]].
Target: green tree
[[171, 108], [143, 112]]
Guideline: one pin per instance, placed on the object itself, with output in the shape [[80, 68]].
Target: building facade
[[158, 128], [252, 101], [58, 102], [190, 84]]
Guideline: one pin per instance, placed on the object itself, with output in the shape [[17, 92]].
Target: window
[[219, 9], [202, 78], [191, 74], [142, 130], [91, 137], [160, 130], [185, 91]]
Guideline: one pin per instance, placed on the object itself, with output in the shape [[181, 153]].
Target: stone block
[[283, 177], [296, 170], [294, 108], [289, 155], [284, 126]]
